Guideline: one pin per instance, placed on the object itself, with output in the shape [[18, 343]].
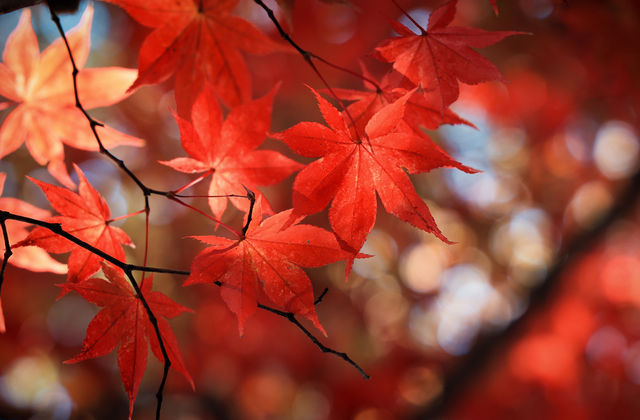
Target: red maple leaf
[[124, 320], [422, 108], [199, 41], [28, 257], [41, 86], [353, 167], [85, 215], [442, 55], [226, 149], [266, 262]]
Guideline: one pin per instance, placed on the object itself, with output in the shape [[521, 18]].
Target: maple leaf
[[422, 108], [442, 55], [199, 41], [226, 149], [30, 257], [352, 169], [266, 261], [85, 215], [42, 88], [124, 320]]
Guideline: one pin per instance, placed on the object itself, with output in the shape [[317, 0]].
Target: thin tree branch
[[146, 191], [319, 299], [291, 317], [156, 329], [404, 12], [57, 229], [308, 56], [478, 360], [7, 251], [129, 268], [252, 199], [92, 122]]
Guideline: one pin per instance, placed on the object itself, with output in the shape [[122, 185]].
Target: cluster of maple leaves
[[366, 149]]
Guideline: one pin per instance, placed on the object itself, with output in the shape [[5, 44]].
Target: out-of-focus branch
[[472, 366]]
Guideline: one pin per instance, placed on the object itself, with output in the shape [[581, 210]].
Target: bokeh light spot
[[544, 358], [607, 342], [420, 267], [32, 382], [616, 150], [589, 202], [420, 385], [465, 293], [621, 279]]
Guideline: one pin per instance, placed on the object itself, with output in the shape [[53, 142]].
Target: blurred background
[[534, 312]]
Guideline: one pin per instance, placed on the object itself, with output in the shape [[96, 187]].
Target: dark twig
[[304, 53], [92, 122], [308, 56], [129, 268], [319, 299], [404, 12], [146, 191], [7, 250], [252, 199], [156, 329], [487, 348], [291, 317], [57, 229]]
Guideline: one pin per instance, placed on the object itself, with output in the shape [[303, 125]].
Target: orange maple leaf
[[86, 215], [123, 322], [441, 55], [41, 87], [266, 262], [198, 41]]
